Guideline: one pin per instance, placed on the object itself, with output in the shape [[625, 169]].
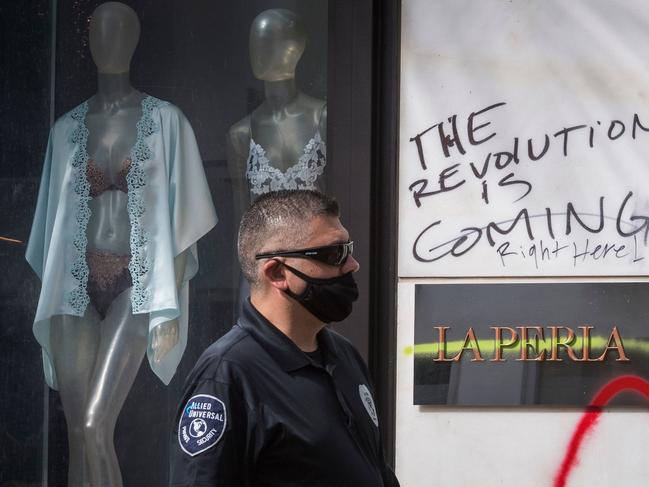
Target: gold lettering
[[470, 343], [499, 344], [585, 339], [556, 343], [619, 347], [441, 355], [534, 346]]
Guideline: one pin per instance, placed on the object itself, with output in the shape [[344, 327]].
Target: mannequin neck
[[114, 88], [280, 93]]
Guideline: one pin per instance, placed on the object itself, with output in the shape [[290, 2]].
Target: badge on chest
[[368, 402]]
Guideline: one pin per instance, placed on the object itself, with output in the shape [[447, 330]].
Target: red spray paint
[[624, 383]]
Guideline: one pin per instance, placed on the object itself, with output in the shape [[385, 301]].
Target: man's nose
[[350, 265]]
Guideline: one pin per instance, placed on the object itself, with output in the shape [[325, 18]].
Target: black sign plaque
[[528, 344]]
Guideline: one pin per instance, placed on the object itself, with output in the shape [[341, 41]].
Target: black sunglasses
[[335, 254]]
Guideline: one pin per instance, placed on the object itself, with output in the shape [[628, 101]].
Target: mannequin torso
[[283, 133], [112, 132]]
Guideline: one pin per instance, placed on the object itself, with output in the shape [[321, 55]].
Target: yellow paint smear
[[488, 347]]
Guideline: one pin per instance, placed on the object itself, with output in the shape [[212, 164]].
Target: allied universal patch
[[368, 402], [202, 424]]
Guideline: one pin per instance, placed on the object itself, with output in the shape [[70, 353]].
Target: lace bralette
[[302, 175], [99, 183]]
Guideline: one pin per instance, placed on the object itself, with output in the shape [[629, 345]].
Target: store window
[[113, 183]]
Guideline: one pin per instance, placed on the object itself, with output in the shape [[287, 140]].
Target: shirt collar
[[280, 347]]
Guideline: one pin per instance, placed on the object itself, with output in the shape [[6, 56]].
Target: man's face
[[322, 231]]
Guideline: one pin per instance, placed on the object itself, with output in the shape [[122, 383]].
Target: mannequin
[[96, 360], [287, 126], [95, 353], [288, 120]]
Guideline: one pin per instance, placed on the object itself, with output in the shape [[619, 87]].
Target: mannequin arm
[[166, 336]]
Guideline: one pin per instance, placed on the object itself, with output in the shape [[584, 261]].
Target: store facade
[[489, 161]]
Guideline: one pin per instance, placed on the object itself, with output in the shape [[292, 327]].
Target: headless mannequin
[[96, 359], [287, 119]]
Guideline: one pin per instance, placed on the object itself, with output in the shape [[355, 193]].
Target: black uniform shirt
[[257, 411]]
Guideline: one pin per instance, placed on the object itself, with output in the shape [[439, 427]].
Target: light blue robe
[[169, 206]]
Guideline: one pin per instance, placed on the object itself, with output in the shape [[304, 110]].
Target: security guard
[[280, 400]]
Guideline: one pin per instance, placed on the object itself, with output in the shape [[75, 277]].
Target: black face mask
[[327, 299]]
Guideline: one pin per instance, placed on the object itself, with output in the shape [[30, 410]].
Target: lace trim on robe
[[136, 179], [302, 175], [78, 297]]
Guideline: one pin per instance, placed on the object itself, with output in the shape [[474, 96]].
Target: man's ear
[[275, 273]]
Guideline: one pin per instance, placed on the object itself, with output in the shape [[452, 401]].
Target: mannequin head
[[114, 34], [277, 41]]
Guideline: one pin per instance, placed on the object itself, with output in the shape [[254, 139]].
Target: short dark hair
[[279, 216]]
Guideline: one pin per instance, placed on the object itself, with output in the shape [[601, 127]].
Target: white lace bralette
[[263, 177]]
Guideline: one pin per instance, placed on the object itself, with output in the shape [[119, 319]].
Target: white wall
[[555, 64]]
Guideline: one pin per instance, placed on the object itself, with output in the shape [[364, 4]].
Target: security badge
[[202, 424], [368, 402]]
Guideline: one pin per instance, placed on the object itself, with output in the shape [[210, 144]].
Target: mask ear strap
[[297, 297], [309, 279], [293, 270]]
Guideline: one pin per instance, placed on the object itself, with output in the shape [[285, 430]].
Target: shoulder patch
[[368, 402], [202, 424]]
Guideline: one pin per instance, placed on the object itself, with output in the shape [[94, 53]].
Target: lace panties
[[108, 277]]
